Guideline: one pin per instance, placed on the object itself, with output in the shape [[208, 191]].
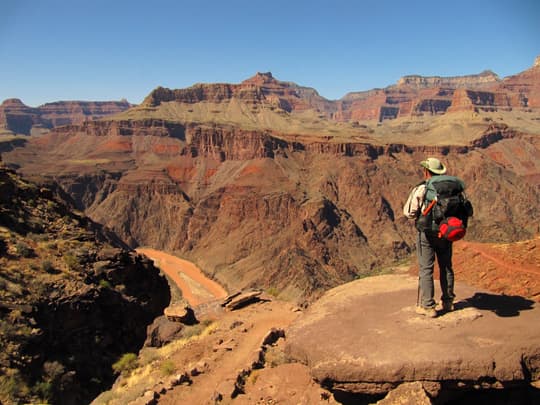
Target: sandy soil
[[195, 286]]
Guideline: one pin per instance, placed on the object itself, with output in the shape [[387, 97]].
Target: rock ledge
[[364, 337]]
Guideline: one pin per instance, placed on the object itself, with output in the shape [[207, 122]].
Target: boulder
[[180, 313], [365, 338], [241, 299], [162, 331]]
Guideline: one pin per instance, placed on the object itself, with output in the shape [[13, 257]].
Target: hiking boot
[[447, 306], [429, 312]]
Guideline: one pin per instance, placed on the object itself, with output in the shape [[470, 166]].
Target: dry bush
[[126, 363], [275, 356], [168, 367]]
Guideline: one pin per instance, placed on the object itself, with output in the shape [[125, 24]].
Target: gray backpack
[[444, 198]]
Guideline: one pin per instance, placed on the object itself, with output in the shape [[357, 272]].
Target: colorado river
[[195, 286]]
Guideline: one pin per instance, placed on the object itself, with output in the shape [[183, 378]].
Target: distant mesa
[[18, 118], [486, 76]]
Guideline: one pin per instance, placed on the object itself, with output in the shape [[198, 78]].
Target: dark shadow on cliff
[[511, 396], [501, 305], [348, 398]]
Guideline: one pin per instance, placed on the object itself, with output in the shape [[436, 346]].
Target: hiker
[[429, 244]]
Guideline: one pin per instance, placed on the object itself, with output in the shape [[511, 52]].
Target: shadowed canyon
[[267, 185]]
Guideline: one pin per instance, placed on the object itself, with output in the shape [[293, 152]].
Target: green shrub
[[104, 284], [44, 390], [126, 363], [168, 367], [72, 262]]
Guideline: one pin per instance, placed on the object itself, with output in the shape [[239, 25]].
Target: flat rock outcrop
[[365, 338]]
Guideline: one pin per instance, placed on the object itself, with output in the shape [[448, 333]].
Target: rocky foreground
[[361, 343], [365, 338]]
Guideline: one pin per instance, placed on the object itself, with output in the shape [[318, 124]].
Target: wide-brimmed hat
[[434, 165]]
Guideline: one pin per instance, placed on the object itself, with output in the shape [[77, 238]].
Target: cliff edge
[[364, 338]]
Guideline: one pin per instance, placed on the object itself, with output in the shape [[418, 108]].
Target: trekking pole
[[419, 247]]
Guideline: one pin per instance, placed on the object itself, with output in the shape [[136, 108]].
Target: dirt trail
[[511, 268], [505, 268], [229, 350], [226, 357], [501, 258], [195, 286]]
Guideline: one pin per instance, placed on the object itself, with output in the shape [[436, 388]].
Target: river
[[195, 286]]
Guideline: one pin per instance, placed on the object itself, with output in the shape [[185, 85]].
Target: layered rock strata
[[254, 208], [199, 173]]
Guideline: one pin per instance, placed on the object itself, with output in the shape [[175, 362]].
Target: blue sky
[[54, 50]]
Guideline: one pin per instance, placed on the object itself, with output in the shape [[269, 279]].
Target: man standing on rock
[[429, 245]]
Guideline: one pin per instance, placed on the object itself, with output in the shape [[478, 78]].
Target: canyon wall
[[253, 208], [294, 210], [418, 95]]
